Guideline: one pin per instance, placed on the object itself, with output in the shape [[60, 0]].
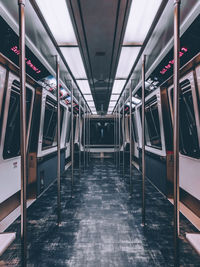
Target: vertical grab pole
[[130, 134], [58, 140], [23, 145], [119, 135], [79, 116], [123, 134], [72, 134], [114, 140], [89, 136], [176, 127], [84, 136], [143, 140]]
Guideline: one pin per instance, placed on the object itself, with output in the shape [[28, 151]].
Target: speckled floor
[[101, 225]]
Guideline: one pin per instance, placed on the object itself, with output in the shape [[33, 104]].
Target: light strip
[[58, 19], [127, 58], [88, 97], [74, 60], [118, 86], [84, 86], [141, 16], [114, 97]]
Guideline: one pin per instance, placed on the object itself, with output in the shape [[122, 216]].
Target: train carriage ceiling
[[100, 41]]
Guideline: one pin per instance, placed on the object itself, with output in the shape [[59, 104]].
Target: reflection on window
[[12, 136], [50, 123], [153, 137], [189, 144]]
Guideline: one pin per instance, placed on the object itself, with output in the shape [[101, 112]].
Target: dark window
[[101, 133], [12, 136], [189, 144], [68, 130], [134, 128], [153, 124], [50, 123]]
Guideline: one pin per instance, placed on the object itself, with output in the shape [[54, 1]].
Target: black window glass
[[12, 136], [50, 123], [68, 130], [189, 144], [134, 130], [153, 124], [102, 133]]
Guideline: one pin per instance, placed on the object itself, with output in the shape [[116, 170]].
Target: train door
[[10, 139], [189, 134]]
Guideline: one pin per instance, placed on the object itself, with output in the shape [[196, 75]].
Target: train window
[[102, 133], [12, 137], [68, 133], [50, 123], [134, 129], [153, 137], [189, 144]]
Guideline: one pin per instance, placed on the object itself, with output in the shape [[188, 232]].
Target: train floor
[[101, 224]]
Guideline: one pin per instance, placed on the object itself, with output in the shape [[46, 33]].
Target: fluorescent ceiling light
[[114, 97], [127, 58], [141, 16], [58, 19], [84, 86], [91, 106], [112, 104], [118, 86], [135, 100], [91, 103], [74, 61], [88, 97]]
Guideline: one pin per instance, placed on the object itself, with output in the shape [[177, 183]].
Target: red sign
[[28, 61], [171, 62]]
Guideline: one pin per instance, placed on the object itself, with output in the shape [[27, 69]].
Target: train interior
[[99, 133]]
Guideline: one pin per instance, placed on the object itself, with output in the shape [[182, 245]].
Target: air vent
[[100, 54]]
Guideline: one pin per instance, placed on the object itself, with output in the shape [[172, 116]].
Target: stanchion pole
[[130, 133], [89, 135], [72, 134], [123, 126], [119, 133], [84, 137], [116, 152], [87, 138], [23, 146], [143, 140], [79, 137], [58, 140], [176, 127], [114, 158]]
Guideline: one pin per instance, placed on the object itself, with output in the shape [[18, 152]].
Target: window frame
[[189, 76], [158, 151], [40, 151], [11, 78]]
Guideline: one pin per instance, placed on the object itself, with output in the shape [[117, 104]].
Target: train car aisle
[[101, 224]]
